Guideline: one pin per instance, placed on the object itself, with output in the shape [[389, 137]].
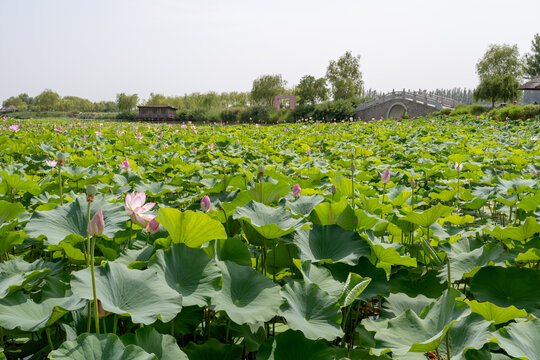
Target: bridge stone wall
[[386, 109]]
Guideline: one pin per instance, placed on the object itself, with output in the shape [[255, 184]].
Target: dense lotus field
[[389, 240]]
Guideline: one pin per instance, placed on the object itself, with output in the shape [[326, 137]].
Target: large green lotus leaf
[[396, 304], [484, 355], [497, 314], [72, 218], [303, 205], [353, 287], [233, 249], [190, 228], [99, 346], [311, 310], [388, 253], [19, 311], [246, 295], [154, 188], [17, 273], [253, 335], [270, 192], [164, 347], [10, 238], [9, 211], [338, 213], [343, 185], [467, 256], [414, 283], [507, 286], [378, 284], [271, 223], [410, 332], [139, 294], [521, 233], [14, 181], [470, 332], [292, 345], [321, 277], [188, 271], [521, 340], [428, 217], [212, 350], [74, 172], [323, 243], [530, 203]]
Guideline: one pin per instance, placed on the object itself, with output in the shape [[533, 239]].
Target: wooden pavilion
[[156, 113]]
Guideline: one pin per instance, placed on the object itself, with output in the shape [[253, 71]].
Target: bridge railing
[[438, 102]]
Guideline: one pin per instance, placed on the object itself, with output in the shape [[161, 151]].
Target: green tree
[[345, 77], [126, 102], [532, 60], [157, 99], [311, 90], [15, 103], [47, 100], [500, 60], [496, 87], [266, 87], [499, 70]]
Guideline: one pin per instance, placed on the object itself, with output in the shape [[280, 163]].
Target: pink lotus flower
[[153, 226], [166, 146], [195, 150], [385, 176], [14, 128], [135, 206], [205, 203], [84, 138], [308, 151], [125, 165], [296, 190], [211, 146], [183, 126], [98, 134], [139, 136], [51, 163], [96, 225]]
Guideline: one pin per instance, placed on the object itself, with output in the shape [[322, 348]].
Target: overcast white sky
[[98, 48]]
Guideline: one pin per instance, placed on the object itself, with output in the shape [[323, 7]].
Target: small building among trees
[[156, 113]]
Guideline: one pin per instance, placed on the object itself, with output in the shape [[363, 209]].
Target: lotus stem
[[172, 327], [88, 236], [227, 331], [448, 345], [49, 340], [60, 185], [115, 323], [448, 271], [96, 314]]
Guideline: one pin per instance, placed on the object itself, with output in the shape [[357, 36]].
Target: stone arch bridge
[[394, 105]]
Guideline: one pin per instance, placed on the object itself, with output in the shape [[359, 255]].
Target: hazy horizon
[[96, 49]]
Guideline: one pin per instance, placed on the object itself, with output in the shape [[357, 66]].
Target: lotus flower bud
[[91, 191], [101, 312], [125, 165], [96, 225], [296, 190], [413, 183], [333, 190], [458, 166], [153, 226], [260, 170], [534, 172], [385, 176], [352, 166], [205, 203], [61, 156]]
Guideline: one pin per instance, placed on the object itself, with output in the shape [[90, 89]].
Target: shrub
[[126, 115], [515, 112]]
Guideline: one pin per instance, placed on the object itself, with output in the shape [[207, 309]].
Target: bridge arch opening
[[396, 111]]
